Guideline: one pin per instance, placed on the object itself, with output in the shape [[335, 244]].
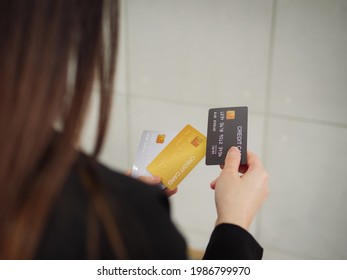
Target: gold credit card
[[179, 157]]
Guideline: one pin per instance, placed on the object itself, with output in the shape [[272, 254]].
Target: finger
[[232, 160], [128, 172], [243, 169], [170, 192], [213, 184], [253, 160], [151, 180]]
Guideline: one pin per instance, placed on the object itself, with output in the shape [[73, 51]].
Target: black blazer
[[142, 213]]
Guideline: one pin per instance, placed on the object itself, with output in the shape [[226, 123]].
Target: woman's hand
[[238, 198], [154, 181]]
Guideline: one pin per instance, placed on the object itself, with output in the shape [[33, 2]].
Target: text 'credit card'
[[226, 127]]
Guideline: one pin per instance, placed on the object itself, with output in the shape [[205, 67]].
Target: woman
[[56, 202]]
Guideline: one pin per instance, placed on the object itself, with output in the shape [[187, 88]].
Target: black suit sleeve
[[232, 242]]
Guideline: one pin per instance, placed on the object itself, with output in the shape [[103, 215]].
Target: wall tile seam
[[307, 120], [268, 115], [188, 103]]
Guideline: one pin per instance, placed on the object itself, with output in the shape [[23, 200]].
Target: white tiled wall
[[287, 61], [310, 60], [200, 51]]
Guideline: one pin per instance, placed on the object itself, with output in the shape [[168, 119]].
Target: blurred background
[[287, 61]]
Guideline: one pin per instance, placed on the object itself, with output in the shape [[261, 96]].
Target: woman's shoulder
[[141, 212], [116, 183]]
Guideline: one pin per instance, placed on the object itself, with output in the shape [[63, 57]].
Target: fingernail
[[234, 150]]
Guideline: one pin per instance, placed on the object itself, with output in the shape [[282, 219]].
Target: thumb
[[232, 160]]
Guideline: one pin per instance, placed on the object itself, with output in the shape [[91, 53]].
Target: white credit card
[[151, 144]]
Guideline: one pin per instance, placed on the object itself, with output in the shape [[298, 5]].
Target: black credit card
[[227, 127]]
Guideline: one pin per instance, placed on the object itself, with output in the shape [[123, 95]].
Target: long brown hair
[[51, 53]]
